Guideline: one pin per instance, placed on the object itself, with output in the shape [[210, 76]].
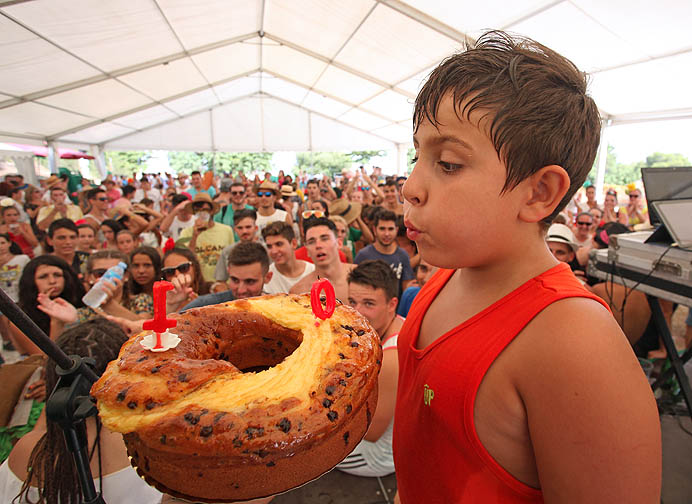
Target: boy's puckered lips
[[411, 231]]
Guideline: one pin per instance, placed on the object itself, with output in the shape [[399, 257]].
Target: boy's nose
[[413, 190]]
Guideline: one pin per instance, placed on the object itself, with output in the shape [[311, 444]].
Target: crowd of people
[[220, 238], [216, 238]]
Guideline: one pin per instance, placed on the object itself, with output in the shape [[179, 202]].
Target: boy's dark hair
[[278, 228], [384, 215], [62, 224], [536, 102], [249, 253], [146, 201], [128, 189], [376, 274], [313, 181], [92, 193], [390, 182], [177, 199], [244, 213], [318, 221], [195, 172]]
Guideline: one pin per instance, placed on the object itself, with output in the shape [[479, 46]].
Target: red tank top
[[437, 453]]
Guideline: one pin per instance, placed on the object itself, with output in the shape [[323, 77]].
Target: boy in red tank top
[[515, 383]]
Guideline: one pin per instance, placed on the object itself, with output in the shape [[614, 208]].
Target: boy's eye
[[449, 167]]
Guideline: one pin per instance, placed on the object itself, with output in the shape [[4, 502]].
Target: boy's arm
[[592, 417]]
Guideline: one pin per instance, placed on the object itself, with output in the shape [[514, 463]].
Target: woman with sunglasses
[[145, 269], [182, 269]]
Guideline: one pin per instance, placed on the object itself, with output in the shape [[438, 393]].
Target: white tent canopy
[[266, 75]]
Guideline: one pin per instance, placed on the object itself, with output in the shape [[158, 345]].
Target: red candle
[[160, 323], [315, 302]]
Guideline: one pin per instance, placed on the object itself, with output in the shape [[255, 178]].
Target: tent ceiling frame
[[426, 20], [259, 94], [146, 106], [126, 70], [336, 64], [330, 96]]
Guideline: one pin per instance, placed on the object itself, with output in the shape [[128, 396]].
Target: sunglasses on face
[[310, 213], [265, 193], [634, 195], [183, 268], [584, 223], [237, 193], [102, 199], [98, 273]]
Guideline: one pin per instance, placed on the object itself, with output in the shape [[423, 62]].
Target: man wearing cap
[[231, 199], [350, 211], [206, 238], [560, 240], [266, 212], [60, 207]]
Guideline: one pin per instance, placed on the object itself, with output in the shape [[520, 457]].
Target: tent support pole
[[52, 158], [602, 159], [99, 159]]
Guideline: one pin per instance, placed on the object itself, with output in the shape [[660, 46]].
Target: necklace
[[384, 333]]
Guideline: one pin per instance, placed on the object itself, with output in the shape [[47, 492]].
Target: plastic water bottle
[[96, 295]]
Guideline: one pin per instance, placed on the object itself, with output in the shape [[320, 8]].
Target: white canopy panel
[[302, 74]]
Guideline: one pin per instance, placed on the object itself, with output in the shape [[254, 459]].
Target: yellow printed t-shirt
[[209, 245], [73, 213]]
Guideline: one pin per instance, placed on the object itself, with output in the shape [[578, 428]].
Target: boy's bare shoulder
[[588, 406]]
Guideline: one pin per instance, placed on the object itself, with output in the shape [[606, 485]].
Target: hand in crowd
[[114, 290], [57, 308], [181, 294], [129, 326], [37, 390]]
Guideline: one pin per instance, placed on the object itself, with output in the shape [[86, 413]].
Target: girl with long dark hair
[[40, 468], [52, 276]]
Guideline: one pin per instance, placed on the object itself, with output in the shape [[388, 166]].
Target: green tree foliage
[[246, 162], [622, 173], [363, 157], [660, 159], [126, 162], [323, 163], [410, 156]]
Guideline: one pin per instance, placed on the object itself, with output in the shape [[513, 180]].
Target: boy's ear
[[544, 191]]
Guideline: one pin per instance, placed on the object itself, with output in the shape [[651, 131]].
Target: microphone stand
[[69, 403]]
